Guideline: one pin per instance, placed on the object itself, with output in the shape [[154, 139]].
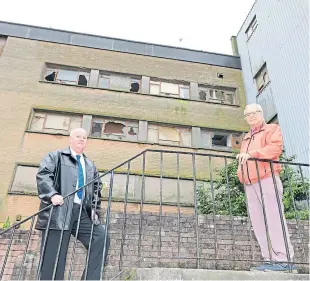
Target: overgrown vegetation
[[294, 187]]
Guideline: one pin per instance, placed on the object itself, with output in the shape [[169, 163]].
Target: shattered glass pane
[[114, 128], [96, 129]]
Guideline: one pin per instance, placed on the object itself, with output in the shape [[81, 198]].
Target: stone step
[[156, 273]]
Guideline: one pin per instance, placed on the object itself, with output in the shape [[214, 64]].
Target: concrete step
[[206, 274]]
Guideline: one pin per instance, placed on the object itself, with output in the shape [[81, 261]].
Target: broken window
[[132, 131], [51, 75], [55, 123], [83, 79], [262, 78], [96, 130], [135, 85], [65, 76], [114, 128], [224, 95], [219, 140]]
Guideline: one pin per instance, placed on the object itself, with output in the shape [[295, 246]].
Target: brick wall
[[241, 245]]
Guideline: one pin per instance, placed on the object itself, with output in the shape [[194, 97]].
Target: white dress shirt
[[76, 198]]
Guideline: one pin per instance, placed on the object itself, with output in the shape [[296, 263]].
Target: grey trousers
[[96, 251]]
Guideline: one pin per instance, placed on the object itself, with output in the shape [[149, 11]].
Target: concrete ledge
[[205, 274]]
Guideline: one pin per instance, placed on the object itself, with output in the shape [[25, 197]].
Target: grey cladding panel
[[120, 45], [91, 41], [148, 50], [49, 35], [13, 30], [136, 48]]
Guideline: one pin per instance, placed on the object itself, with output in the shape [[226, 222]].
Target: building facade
[[129, 96], [273, 44]]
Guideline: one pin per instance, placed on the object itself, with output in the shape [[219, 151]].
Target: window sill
[[139, 93], [219, 149]]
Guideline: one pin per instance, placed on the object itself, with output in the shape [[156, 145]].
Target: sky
[[196, 24]]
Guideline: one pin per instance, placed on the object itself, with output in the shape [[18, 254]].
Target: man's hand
[[57, 200], [243, 157], [95, 218]]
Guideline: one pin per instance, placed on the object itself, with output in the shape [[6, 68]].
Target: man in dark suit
[[61, 173]]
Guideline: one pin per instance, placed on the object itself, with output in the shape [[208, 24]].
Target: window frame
[[64, 68], [212, 98], [251, 28], [155, 81], [46, 114], [260, 76], [105, 120]]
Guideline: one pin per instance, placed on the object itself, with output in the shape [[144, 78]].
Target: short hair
[[77, 129], [257, 106]]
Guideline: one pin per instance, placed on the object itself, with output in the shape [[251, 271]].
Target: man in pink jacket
[[264, 141]]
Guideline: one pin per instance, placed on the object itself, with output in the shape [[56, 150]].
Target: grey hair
[[77, 129], [257, 106]]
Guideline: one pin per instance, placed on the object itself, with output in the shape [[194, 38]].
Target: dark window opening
[[82, 80], [132, 131], [51, 77], [114, 128], [96, 129], [135, 87], [220, 75], [202, 95], [219, 140]]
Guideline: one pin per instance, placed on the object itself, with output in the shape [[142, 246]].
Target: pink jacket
[[266, 143]]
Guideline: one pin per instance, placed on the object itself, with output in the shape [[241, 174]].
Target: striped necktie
[[80, 177]]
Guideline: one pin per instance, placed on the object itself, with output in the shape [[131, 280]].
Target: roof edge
[[148, 49]]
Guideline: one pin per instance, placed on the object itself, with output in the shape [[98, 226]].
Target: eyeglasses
[[251, 113]]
